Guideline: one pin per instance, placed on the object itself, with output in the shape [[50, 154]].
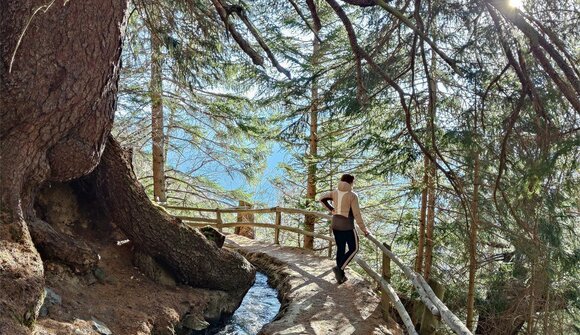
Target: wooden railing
[[426, 294], [199, 221]]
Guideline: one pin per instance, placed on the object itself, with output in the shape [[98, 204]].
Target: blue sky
[[264, 191]]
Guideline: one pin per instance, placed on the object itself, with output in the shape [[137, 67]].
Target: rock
[[50, 299], [166, 322], [164, 331], [100, 274], [194, 322], [100, 327], [213, 235], [43, 311], [91, 279], [220, 304], [112, 280], [152, 269]]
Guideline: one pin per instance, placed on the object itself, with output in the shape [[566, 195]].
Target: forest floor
[[312, 301], [121, 298]]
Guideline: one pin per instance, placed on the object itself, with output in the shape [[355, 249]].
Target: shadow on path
[[312, 301]]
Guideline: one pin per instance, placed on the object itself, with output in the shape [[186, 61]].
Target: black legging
[[342, 238]]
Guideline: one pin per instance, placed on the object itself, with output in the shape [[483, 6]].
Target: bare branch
[[556, 40], [361, 91], [502, 157], [537, 42], [396, 13], [246, 47], [263, 44], [315, 18], [361, 3]]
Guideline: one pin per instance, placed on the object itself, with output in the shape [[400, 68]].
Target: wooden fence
[[389, 296]]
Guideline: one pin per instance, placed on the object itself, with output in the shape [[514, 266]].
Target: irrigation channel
[[259, 307]]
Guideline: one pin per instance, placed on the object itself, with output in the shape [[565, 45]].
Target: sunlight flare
[[519, 4]]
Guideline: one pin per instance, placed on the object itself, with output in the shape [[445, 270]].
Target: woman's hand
[[366, 232], [333, 212]]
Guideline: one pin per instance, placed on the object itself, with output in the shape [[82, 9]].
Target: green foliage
[[223, 114], [214, 130]]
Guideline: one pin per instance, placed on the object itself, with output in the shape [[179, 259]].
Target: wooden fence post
[[248, 232], [430, 323], [386, 274], [397, 304], [277, 224], [218, 217]]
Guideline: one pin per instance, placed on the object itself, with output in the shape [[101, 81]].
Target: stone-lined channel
[[259, 307]]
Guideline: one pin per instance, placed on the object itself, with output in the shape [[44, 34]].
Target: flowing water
[[259, 307]]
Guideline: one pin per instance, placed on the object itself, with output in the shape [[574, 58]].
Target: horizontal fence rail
[[426, 294], [266, 225], [236, 210]]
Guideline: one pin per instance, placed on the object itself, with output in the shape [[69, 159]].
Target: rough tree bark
[[429, 241], [422, 217], [192, 258], [473, 229], [58, 77], [58, 93], [157, 138], [432, 170], [310, 220]]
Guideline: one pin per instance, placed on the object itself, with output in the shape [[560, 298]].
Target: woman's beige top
[[345, 203]]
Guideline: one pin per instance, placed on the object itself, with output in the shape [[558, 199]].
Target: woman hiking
[[344, 213]]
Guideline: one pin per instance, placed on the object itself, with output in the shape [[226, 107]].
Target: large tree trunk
[[157, 138], [473, 244], [310, 220], [422, 217], [58, 78], [473, 230], [432, 170], [58, 72]]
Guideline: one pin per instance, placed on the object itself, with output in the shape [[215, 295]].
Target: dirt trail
[[312, 302]]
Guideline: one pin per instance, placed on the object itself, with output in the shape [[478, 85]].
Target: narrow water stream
[[259, 307]]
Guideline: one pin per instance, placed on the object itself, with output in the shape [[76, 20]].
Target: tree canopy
[[460, 114]]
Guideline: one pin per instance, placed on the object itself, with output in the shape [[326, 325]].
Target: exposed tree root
[[21, 278], [54, 245], [191, 257]]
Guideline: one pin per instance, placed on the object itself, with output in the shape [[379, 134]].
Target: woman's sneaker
[[338, 274], [343, 277]]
